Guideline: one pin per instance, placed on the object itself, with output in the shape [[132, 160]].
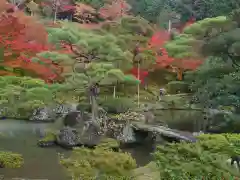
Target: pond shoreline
[[19, 136], [26, 120]]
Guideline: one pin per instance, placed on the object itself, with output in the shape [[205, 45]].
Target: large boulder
[[67, 137], [120, 126], [51, 113], [78, 129], [43, 114]]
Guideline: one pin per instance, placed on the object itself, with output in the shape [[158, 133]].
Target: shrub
[[116, 105], [109, 144], [99, 163], [206, 158], [10, 160], [175, 87]]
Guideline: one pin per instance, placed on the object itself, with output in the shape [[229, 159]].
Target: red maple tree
[[163, 60], [20, 42]]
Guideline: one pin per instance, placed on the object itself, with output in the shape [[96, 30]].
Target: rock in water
[[67, 137], [63, 109], [234, 166], [42, 114], [79, 130], [72, 118], [51, 113], [128, 135], [90, 135]]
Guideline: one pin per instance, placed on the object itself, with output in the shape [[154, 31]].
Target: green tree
[[94, 57], [182, 10], [215, 83], [116, 77], [21, 95]]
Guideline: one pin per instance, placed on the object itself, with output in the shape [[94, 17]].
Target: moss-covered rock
[[10, 160], [48, 140]]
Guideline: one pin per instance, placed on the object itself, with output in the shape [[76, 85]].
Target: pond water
[[185, 120], [42, 163]]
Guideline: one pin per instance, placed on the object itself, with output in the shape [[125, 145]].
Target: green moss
[[49, 137], [10, 160]]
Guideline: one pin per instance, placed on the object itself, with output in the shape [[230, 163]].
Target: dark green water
[[42, 163]]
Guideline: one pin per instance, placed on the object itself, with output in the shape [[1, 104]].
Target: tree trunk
[[180, 74], [94, 108], [114, 91], [55, 12], [169, 25]]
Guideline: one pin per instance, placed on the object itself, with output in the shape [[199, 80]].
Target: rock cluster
[[80, 129], [51, 113]]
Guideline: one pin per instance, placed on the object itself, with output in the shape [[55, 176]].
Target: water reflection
[[40, 163], [185, 120]]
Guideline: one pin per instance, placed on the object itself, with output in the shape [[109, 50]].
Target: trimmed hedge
[[116, 105]]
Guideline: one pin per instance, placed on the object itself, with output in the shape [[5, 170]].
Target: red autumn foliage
[[14, 39], [142, 74], [163, 60], [20, 42], [159, 39], [63, 5]]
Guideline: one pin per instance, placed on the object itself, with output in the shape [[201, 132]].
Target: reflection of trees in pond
[[187, 120]]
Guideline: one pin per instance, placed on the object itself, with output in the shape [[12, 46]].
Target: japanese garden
[[119, 89]]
